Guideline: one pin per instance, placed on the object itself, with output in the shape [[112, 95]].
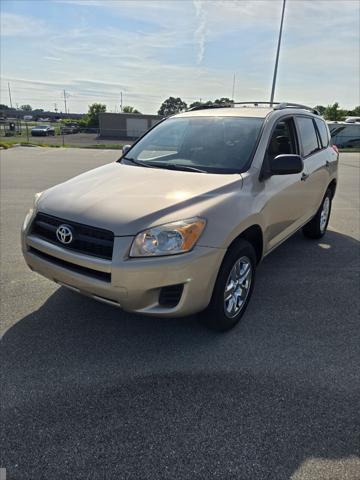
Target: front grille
[[88, 240], [170, 296], [89, 272]]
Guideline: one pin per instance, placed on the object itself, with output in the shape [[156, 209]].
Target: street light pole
[[11, 105], [65, 102], [277, 55]]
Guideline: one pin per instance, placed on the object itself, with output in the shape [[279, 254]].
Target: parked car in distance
[[69, 128], [345, 134], [42, 130], [180, 222]]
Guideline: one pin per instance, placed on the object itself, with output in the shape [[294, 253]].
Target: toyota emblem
[[64, 234]]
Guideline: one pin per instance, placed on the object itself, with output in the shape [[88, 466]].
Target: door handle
[[304, 176], [327, 164]]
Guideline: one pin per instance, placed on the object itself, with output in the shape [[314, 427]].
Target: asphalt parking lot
[[91, 392]]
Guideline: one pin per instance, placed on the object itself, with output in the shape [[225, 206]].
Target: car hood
[[126, 199]]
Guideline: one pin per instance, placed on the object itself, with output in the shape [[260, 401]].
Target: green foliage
[[93, 114], [198, 104], [129, 109], [220, 101], [26, 108], [66, 121], [355, 112], [83, 122], [171, 106], [321, 109], [4, 107], [333, 112]]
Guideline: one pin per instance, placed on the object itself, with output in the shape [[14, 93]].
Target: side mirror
[[286, 164], [125, 149]]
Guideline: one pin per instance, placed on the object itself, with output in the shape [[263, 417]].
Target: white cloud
[[21, 26], [53, 59], [200, 32], [165, 48]]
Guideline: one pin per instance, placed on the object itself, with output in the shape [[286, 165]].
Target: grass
[[350, 150], [12, 142]]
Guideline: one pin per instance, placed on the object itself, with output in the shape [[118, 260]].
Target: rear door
[[316, 159]]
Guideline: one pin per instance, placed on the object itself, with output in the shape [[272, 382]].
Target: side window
[[323, 131], [307, 135], [282, 139]]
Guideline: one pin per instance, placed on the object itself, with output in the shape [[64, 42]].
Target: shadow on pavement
[[94, 392]]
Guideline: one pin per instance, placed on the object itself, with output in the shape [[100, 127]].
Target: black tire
[[215, 316], [316, 228]]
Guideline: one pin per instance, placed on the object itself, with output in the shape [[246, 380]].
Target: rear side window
[[308, 135], [323, 131]]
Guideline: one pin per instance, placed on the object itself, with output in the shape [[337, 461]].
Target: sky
[[152, 49]]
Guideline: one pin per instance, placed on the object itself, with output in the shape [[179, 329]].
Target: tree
[[4, 107], [198, 104], [93, 113], [333, 112], [171, 106], [220, 101], [129, 109], [321, 109], [355, 112], [26, 108]]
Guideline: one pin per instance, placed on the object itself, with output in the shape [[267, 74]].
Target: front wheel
[[233, 288], [317, 226]]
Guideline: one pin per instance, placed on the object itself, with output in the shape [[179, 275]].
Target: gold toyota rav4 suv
[[179, 223]]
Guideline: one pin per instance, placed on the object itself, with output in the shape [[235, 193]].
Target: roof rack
[[281, 106], [278, 106]]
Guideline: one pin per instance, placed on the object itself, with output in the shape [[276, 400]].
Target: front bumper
[[133, 284]]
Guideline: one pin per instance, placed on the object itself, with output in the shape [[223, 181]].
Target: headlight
[[169, 239], [32, 211], [37, 198]]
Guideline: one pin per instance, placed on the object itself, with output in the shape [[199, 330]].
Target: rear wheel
[[317, 226], [233, 288]]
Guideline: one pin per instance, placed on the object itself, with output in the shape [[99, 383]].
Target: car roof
[[248, 109], [245, 112], [228, 112]]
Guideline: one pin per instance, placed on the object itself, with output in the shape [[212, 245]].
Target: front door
[[285, 205]]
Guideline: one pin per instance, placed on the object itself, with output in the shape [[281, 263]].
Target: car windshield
[[211, 144], [42, 126]]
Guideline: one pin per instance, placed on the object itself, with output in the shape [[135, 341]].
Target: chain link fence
[[15, 132]]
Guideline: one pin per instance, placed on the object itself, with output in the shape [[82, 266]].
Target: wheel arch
[[332, 187], [254, 236]]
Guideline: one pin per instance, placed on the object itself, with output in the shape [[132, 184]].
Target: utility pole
[[65, 102], [55, 107], [11, 105], [277, 54], [121, 102], [233, 89]]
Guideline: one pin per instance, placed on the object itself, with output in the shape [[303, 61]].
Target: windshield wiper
[[169, 166], [175, 166], [139, 162]]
